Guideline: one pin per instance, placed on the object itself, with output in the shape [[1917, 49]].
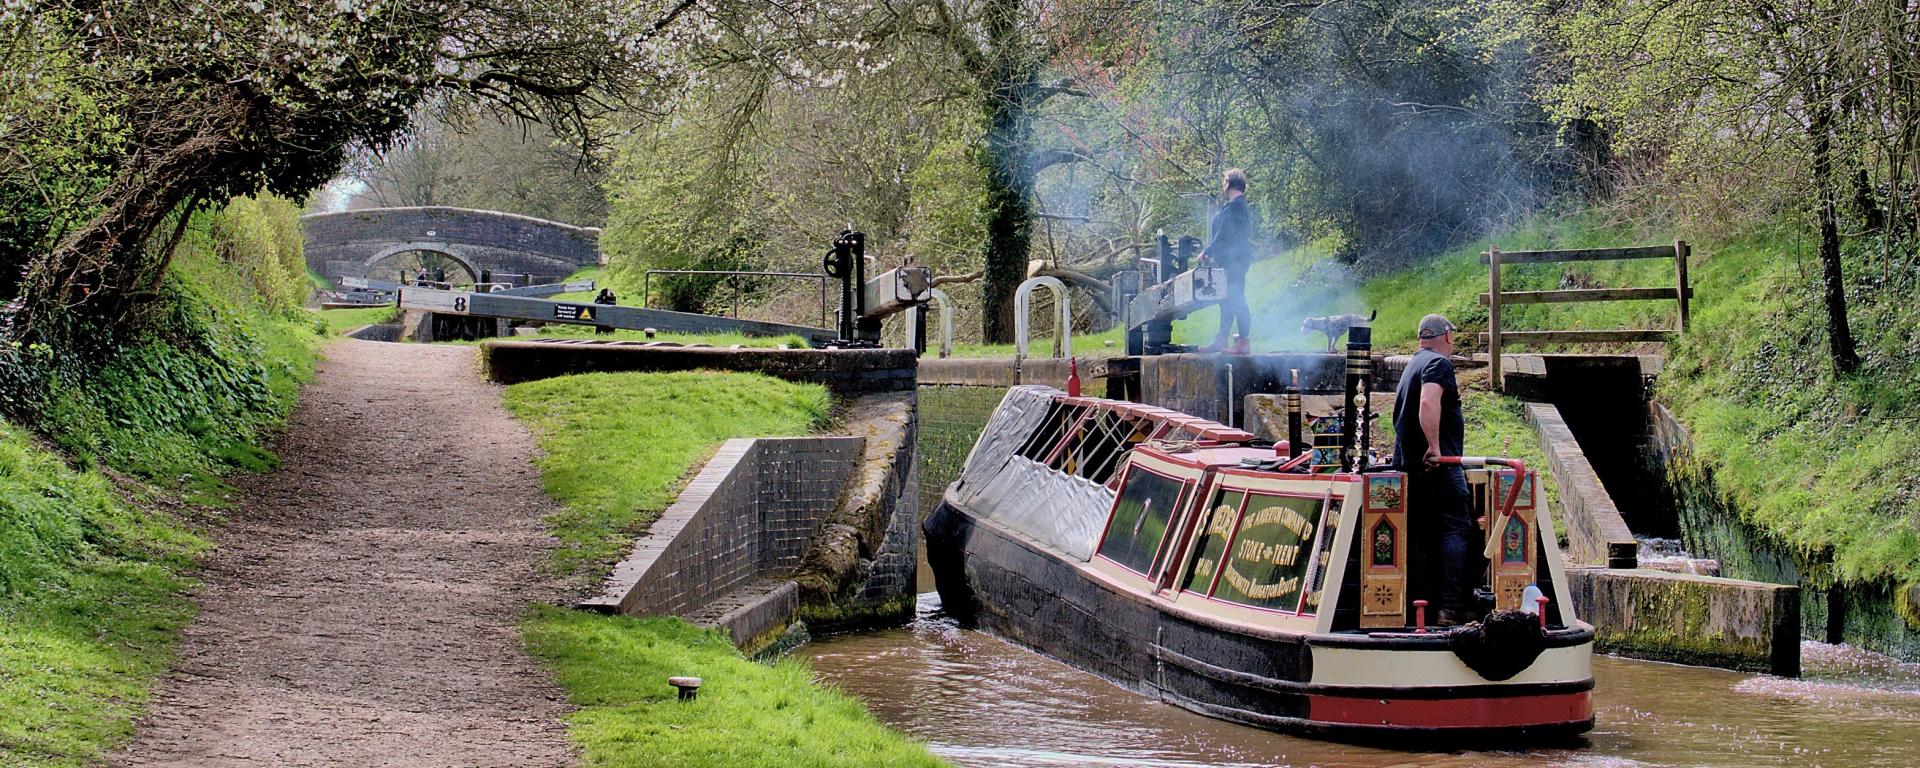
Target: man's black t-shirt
[[1410, 443]]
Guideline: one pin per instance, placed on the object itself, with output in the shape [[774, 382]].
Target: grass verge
[[95, 554], [340, 322], [748, 714]]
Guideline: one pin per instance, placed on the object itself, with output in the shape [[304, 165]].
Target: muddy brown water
[[979, 701]]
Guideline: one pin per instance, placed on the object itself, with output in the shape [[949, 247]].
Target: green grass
[[616, 449], [95, 565], [91, 598], [615, 446], [747, 715], [340, 322]]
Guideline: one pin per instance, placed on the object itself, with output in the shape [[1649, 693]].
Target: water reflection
[[978, 701]]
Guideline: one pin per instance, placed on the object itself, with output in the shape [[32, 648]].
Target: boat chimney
[[1354, 427], [1295, 443]]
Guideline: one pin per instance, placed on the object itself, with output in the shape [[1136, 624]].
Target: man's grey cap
[[1435, 326]]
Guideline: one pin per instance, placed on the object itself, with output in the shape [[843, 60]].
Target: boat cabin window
[[1146, 502]]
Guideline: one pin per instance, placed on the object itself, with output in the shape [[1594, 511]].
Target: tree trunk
[[96, 267], [1839, 334], [1009, 86]]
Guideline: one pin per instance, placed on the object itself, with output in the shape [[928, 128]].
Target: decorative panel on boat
[[1511, 548], [1266, 565], [1383, 552]]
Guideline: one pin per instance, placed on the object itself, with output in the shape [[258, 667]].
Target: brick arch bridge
[[348, 243]]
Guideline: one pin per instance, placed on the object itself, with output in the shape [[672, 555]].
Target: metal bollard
[[1419, 617], [689, 687]]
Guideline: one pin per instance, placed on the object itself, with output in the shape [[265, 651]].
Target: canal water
[[978, 701]]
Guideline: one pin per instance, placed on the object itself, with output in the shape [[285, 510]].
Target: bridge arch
[[366, 269], [348, 243]]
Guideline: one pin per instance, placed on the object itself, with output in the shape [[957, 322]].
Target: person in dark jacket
[[1231, 249]]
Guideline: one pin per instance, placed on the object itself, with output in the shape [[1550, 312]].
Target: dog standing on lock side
[[1335, 326]]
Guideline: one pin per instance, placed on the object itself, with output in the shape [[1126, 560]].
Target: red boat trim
[[1507, 712]]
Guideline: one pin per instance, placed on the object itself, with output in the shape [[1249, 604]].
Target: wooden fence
[[1496, 337]]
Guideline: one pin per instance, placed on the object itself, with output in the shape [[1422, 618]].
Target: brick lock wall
[[750, 512]]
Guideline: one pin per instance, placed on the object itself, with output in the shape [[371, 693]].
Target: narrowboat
[[1255, 582]]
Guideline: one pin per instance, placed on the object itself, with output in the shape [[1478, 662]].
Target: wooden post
[[1680, 252], [1493, 317]]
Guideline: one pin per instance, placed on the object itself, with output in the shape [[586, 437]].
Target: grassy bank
[[616, 448], [103, 499], [1823, 464], [340, 322], [748, 714]]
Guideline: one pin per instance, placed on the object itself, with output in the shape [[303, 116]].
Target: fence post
[[1493, 317], [1680, 252]]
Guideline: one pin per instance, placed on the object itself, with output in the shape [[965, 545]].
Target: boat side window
[[1140, 517], [1042, 441], [1216, 527], [1266, 564]]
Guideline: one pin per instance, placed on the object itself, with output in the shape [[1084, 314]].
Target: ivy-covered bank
[[111, 457]]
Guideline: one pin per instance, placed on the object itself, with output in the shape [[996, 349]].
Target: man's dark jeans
[[1233, 308], [1439, 514]]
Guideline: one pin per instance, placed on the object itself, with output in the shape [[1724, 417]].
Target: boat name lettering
[[1281, 588], [1282, 515], [1260, 552]]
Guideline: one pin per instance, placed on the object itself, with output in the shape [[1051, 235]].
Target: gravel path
[[361, 609]]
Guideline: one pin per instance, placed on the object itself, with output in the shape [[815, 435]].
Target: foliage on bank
[[101, 447], [1821, 462], [748, 715], [615, 447]]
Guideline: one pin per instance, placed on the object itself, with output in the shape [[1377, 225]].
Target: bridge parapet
[[348, 243]]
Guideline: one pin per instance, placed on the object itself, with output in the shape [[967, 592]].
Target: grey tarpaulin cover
[[1058, 509]]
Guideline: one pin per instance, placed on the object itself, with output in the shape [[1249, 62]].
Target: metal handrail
[[646, 284]]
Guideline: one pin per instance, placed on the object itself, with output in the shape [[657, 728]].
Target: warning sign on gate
[[572, 312]]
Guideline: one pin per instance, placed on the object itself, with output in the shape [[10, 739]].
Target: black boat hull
[[1021, 590]]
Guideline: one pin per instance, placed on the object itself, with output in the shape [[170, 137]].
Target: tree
[[1736, 88], [214, 99], [481, 161]]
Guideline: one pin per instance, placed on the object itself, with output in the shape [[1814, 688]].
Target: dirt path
[[361, 610]]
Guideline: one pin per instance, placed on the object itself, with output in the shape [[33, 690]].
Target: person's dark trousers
[[1439, 512], [1233, 308]]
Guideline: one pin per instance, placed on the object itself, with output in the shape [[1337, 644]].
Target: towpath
[[361, 609]]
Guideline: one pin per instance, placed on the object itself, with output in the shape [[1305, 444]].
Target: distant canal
[[978, 701]]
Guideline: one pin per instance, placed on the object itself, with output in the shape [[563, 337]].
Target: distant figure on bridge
[[420, 277], [1427, 425], [604, 298], [1231, 247]]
